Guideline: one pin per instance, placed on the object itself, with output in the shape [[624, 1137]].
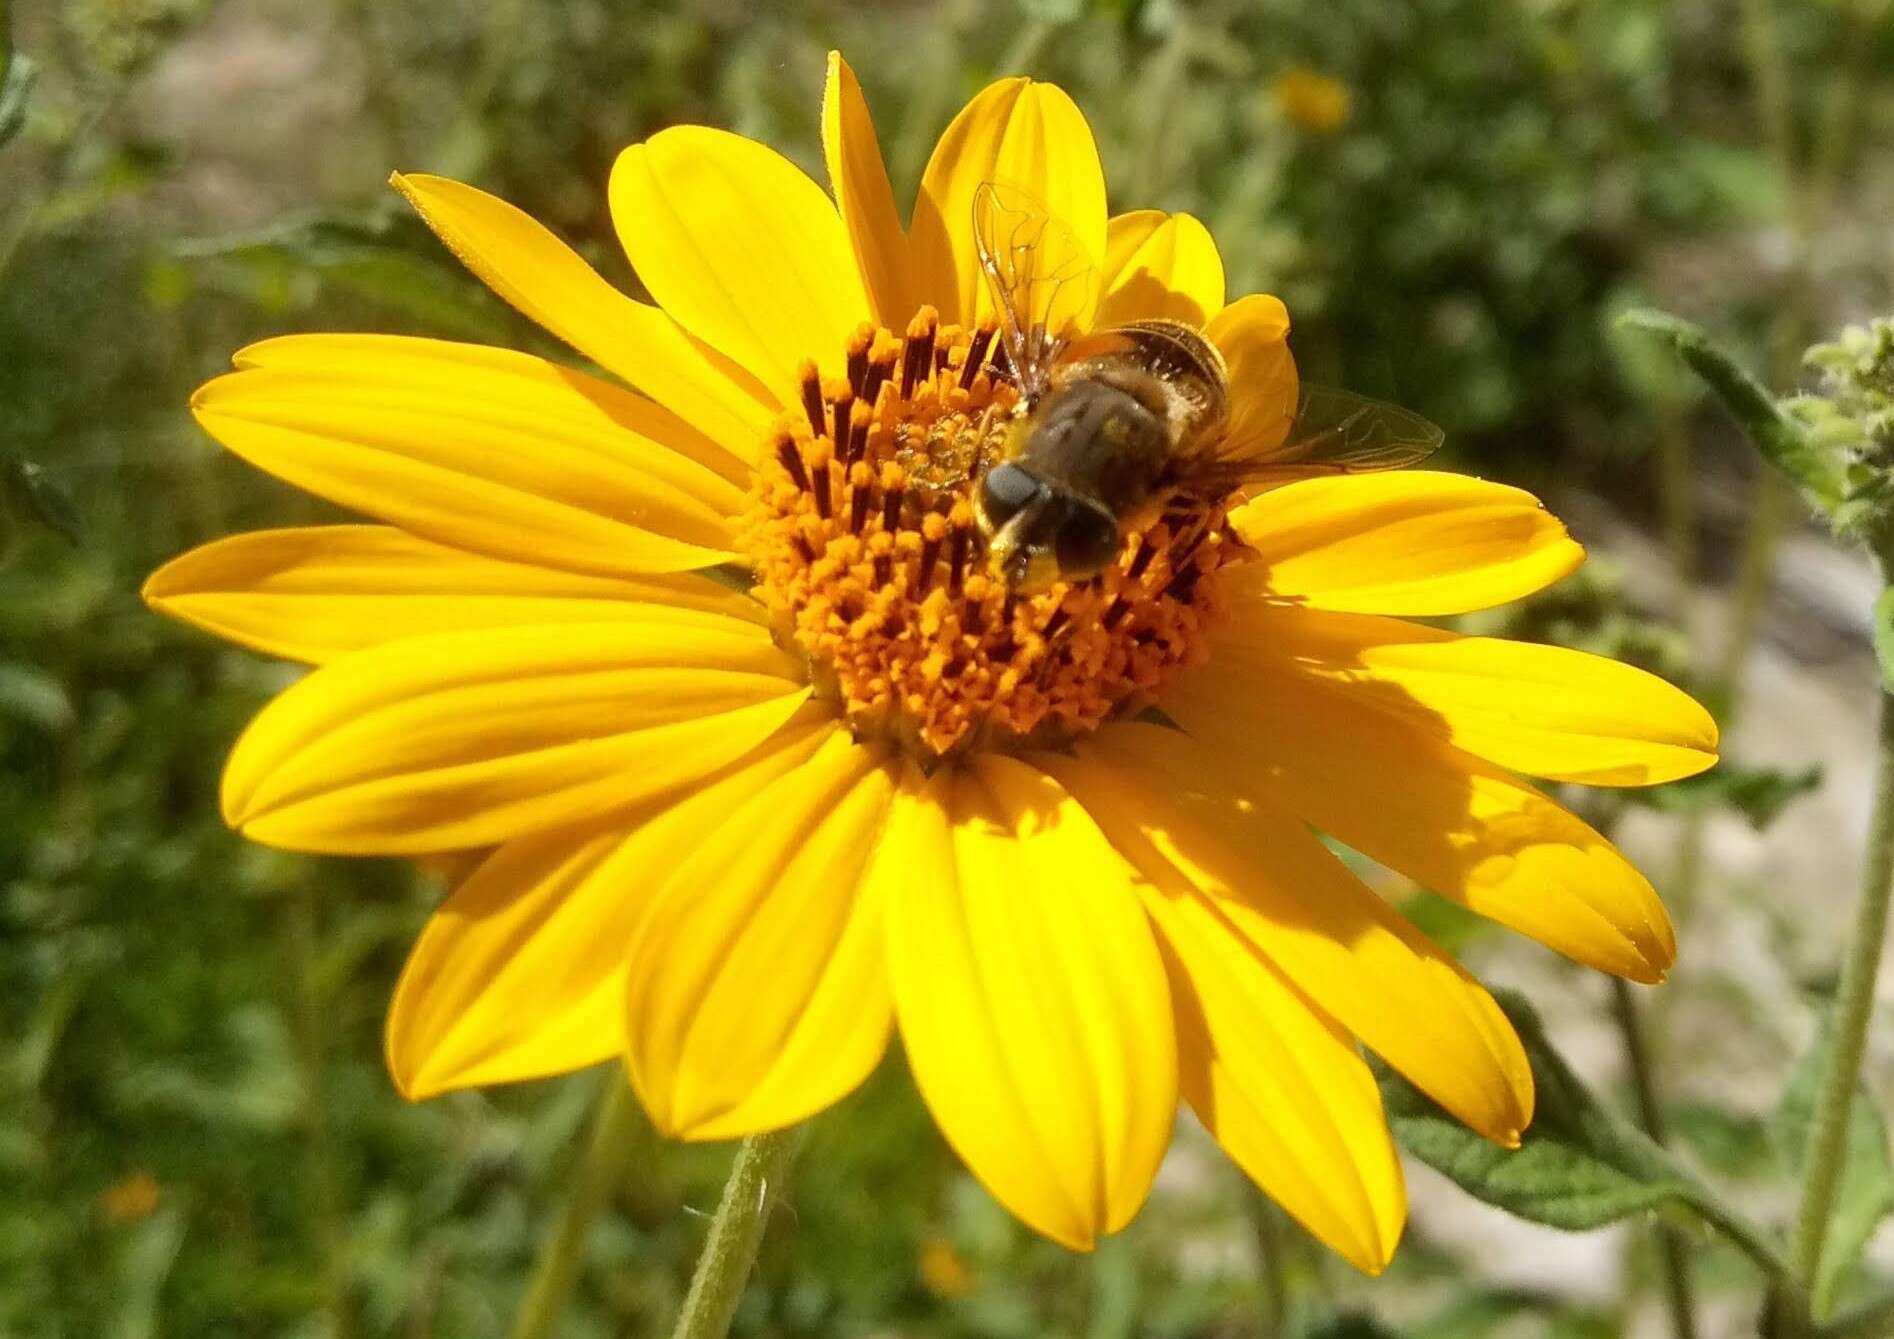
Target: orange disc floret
[[861, 531]]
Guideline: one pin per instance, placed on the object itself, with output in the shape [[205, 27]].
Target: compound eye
[[1088, 541], [1005, 491]]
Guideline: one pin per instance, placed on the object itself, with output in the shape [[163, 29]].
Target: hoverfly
[[1113, 425]]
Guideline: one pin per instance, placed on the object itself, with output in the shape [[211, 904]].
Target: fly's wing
[[1039, 276], [1334, 432]]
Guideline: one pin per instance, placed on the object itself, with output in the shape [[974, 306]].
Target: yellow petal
[[1030, 136], [1404, 542], [1198, 836], [756, 988], [318, 592], [859, 179], [521, 972], [1402, 795], [1280, 1086], [1159, 266], [547, 281], [741, 249], [1252, 333], [495, 452], [1030, 994], [466, 739], [1544, 710]]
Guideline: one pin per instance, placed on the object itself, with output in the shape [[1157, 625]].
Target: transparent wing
[[1334, 432], [1039, 276], [1337, 430]]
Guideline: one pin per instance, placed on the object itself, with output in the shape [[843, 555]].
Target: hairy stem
[[1854, 1006], [723, 1269]]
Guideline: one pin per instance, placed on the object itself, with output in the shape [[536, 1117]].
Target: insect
[[1113, 425]]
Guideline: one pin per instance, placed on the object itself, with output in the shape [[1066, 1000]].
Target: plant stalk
[[598, 1174], [1853, 1009], [756, 1181], [1272, 1260], [1674, 1260]]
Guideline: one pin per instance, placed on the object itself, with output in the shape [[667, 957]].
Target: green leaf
[[1759, 794], [1865, 1193], [16, 82], [1578, 1166], [1884, 637], [387, 259], [1821, 475], [1482, 1313]]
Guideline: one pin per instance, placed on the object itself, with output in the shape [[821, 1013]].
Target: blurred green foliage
[[196, 1135]]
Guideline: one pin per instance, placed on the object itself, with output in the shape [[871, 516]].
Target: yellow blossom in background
[[943, 1270], [1311, 99], [132, 1199], [740, 832]]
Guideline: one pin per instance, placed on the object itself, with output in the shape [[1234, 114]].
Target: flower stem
[[1273, 1243], [1679, 1296], [597, 1176], [755, 1183], [1854, 1005]]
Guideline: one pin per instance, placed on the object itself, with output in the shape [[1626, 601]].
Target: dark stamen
[[791, 458], [812, 398], [1184, 583], [918, 353], [957, 561], [858, 346], [1141, 561], [930, 557], [1119, 607], [976, 353], [839, 429], [824, 505]]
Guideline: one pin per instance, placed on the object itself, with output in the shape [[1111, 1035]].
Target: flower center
[[861, 532]]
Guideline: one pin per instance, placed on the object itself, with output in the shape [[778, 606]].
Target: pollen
[[862, 536]]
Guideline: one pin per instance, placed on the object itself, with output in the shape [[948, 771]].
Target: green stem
[[1870, 1318], [1272, 1260], [1165, 80], [1675, 483], [599, 1173], [755, 1183], [1743, 1235], [1854, 1007], [1679, 1296], [309, 1012]]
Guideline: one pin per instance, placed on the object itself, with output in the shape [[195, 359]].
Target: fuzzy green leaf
[[1865, 1192], [1884, 637], [1821, 475], [1578, 1166]]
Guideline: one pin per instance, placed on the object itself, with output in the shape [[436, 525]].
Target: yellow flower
[[1311, 99], [131, 1199], [739, 837], [943, 1271]]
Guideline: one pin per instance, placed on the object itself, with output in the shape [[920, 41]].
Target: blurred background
[[1455, 197]]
